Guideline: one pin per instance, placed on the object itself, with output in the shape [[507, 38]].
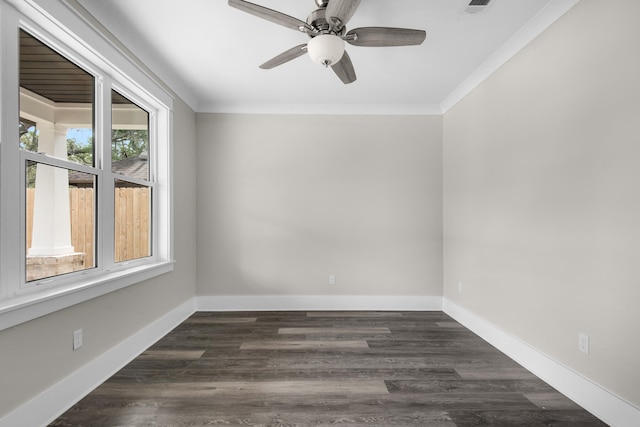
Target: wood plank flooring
[[324, 368]]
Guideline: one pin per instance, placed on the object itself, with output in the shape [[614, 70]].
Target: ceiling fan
[[326, 27]]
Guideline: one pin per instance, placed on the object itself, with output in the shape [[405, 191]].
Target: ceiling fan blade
[[344, 69], [270, 15], [384, 36], [286, 56], [342, 11]]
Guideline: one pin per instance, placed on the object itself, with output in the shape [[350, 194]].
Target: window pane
[[60, 219], [129, 138], [132, 221], [56, 103]]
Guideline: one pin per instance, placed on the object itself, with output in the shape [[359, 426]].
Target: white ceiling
[[209, 52]]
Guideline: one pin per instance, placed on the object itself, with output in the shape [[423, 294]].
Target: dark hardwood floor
[[324, 368]]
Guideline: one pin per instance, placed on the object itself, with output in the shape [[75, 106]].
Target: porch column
[[51, 214]]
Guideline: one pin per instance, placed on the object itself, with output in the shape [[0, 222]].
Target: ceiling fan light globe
[[325, 49]]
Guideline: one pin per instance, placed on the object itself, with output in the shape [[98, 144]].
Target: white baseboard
[[319, 303], [50, 404], [604, 404]]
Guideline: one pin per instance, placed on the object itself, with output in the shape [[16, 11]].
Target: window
[[56, 121], [130, 161], [85, 166]]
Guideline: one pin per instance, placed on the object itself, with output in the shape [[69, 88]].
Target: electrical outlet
[[77, 339], [332, 279], [459, 287], [583, 343]]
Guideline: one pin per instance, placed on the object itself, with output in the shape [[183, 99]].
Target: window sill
[[23, 308]]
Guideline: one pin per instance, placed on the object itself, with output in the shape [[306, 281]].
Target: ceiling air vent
[[477, 6]]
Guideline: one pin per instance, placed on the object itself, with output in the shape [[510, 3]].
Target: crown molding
[[325, 109], [536, 26]]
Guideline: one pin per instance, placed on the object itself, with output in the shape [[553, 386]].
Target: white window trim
[[92, 50]]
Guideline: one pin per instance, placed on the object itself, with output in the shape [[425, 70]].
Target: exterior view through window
[[56, 131], [130, 163]]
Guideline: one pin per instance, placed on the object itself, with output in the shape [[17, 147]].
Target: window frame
[[99, 55]]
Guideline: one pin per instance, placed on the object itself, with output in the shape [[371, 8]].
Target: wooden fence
[[132, 222]]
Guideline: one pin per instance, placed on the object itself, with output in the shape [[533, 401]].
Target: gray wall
[[542, 200], [285, 201], [38, 354]]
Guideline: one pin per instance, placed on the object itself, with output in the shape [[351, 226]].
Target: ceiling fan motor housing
[[318, 20]]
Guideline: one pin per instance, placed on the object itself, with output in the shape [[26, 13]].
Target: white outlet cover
[[583, 343], [77, 339]]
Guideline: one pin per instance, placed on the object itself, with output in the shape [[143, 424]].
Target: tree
[[80, 153], [128, 143], [29, 142], [29, 139]]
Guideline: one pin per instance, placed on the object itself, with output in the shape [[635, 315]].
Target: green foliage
[[29, 140], [79, 153], [126, 144]]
